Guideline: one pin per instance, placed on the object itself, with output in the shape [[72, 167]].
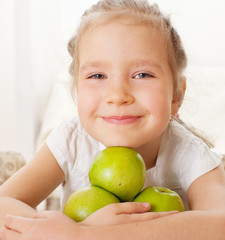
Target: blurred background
[[34, 79]]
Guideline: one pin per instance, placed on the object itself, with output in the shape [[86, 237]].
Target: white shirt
[[182, 158]]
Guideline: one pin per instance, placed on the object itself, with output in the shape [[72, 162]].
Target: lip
[[121, 120]]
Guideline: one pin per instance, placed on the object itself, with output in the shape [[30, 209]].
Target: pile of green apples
[[117, 174]]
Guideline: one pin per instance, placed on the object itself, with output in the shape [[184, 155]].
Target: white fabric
[[182, 158]]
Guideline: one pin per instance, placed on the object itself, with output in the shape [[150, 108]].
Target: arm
[[30, 185], [13, 206], [206, 221]]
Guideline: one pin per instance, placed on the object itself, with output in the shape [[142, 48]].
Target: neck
[[149, 152]]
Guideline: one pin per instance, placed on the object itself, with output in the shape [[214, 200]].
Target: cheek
[[87, 101], [158, 100]]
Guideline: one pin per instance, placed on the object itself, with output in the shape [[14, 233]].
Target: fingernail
[[146, 204], [174, 211]]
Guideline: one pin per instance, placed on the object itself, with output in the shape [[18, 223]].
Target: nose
[[119, 95]]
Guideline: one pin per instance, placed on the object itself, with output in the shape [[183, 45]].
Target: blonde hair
[[142, 13]]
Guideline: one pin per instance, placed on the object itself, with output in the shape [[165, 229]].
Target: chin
[[115, 139], [120, 143]]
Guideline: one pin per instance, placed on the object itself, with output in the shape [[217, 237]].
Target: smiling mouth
[[122, 120]]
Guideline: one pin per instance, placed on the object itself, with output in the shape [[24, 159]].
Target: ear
[[178, 96]]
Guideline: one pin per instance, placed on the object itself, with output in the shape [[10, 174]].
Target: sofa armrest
[[10, 162]]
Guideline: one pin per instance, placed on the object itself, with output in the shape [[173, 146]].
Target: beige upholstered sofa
[[10, 162]]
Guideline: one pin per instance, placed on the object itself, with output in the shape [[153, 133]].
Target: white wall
[[33, 55], [31, 33], [7, 76]]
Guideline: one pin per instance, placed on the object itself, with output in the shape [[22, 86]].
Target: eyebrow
[[140, 62], [134, 62], [95, 64]]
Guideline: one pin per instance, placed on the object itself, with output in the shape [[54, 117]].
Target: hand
[[120, 213], [46, 225]]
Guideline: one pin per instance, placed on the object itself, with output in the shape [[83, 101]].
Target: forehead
[[123, 38], [150, 23]]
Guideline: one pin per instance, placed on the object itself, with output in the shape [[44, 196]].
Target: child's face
[[125, 85]]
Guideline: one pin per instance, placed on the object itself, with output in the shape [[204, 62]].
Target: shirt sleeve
[[197, 160], [61, 143]]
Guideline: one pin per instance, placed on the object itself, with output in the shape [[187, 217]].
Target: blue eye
[[143, 75], [97, 76]]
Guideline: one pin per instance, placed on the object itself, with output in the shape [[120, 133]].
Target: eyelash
[[144, 75], [97, 76], [101, 76]]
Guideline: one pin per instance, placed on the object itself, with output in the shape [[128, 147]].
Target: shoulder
[[188, 154], [63, 133], [69, 143], [184, 137], [71, 134], [189, 143], [175, 142], [67, 126], [179, 133], [68, 131]]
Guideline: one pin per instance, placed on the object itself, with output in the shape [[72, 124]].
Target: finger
[[16, 223], [49, 214], [43, 214], [8, 234], [130, 207], [164, 214], [151, 215]]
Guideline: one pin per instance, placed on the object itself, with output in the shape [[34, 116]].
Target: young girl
[[128, 64]]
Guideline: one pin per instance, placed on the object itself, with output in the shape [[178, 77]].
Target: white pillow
[[60, 107]]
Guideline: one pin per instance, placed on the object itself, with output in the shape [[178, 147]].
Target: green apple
[[119, 170], [161, 199], [87, 200]]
